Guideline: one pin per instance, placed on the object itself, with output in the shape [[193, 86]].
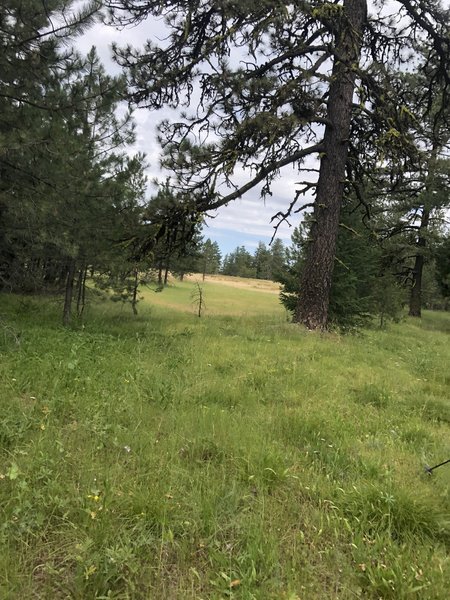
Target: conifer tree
[[68, 191], [279, 82]]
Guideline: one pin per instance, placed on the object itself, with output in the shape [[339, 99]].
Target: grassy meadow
[[167, 456]]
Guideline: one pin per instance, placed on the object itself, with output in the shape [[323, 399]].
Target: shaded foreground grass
[[167, 456]]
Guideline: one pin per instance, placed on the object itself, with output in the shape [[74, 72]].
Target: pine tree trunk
[[160, 269], [67, 310], [135, 291], [78, 290], [415, 299], [315, 284], [81, 289], [166, 274]]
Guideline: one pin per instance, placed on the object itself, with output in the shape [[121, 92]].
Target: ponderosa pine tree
[[273, 83], [364, 284], [262, 262]]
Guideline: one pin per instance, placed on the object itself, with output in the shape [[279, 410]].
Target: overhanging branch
[[263, 173]]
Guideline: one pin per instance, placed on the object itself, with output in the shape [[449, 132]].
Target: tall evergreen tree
[[210, 258], [413, 195], [262, 260], [68, 191], [33, 54], [277, 83]]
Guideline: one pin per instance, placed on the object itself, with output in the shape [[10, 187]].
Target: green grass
[[220, 299], [232, 456]]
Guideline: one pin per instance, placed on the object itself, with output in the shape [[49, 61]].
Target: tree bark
[[415, 299], [67, 310], [81, 296], [135, 291], [315, 284]]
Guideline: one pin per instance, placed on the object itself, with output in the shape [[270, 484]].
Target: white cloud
[[247, 216]]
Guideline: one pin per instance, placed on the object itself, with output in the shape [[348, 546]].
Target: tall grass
[[232, 456]]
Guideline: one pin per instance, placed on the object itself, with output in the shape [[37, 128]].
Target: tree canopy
[[276, 83]]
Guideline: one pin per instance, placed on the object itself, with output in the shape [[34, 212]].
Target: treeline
[[265, 263]]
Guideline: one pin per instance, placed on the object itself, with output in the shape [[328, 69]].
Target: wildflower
[[127, 448], [93, 514], [89, 571], [42, 426]]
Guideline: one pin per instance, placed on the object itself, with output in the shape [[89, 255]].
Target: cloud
[[247, 216]]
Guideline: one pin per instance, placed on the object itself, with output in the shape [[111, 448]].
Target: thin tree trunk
[[81, 289], [415, 299], [160, 269], [78, 289], [315, 284], [135, 291], [83, 293], [166, 274], [67, 310]]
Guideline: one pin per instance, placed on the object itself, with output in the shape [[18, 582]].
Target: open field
[[240, 282], [232, 456], [223, 296]]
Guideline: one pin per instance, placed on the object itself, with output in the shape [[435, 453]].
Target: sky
[[245, 221]]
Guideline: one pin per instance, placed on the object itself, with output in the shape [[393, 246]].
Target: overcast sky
[[244, 221]]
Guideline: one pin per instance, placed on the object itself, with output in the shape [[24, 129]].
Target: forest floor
[[235, 455]]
